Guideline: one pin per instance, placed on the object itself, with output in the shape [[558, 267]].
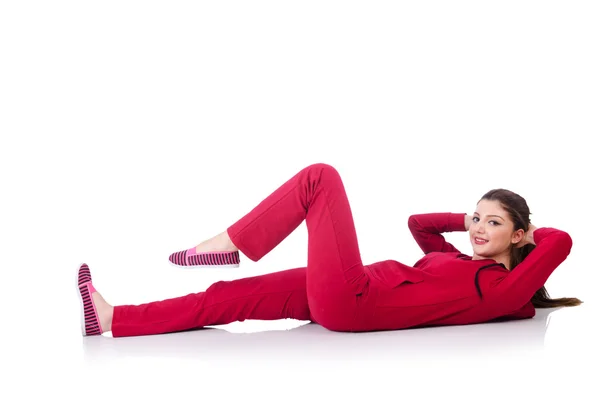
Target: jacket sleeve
[[427, 230], [517, 288]]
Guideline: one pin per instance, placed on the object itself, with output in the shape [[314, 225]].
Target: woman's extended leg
[[271, 296]]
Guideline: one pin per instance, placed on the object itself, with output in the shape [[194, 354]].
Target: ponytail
[[541, 298]]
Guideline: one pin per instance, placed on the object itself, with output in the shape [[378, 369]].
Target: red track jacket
[[447, 287]]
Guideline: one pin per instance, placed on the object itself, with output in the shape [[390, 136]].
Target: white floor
[[554, 354]]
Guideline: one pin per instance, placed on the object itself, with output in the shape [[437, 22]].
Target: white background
[[133, 129]]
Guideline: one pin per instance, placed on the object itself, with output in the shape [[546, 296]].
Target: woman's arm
[[427, 229], [552, 248]]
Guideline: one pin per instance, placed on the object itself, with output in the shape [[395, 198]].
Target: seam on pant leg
[[251, 296], [337, 243]]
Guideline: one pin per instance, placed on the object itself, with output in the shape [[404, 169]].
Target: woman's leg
[[329, 285], [335, 274], [271, 296]]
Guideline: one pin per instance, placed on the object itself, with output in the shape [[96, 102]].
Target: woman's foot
[[219, 243], [218, 251], [104, 310]]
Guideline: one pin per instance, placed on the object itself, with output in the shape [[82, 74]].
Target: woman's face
[[491, 232]]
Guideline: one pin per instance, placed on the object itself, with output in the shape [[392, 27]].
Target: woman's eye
[[475, 219], [494, 223]]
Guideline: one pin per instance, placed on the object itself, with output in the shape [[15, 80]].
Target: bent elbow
[[569, 240], [566, 242], [413, 223]]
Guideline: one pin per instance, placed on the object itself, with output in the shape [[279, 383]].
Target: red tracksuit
[[335, 289]]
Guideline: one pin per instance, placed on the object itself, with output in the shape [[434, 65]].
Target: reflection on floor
[[296, 340]]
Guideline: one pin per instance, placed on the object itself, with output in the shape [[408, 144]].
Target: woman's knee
[[322, 167], [322, 173]]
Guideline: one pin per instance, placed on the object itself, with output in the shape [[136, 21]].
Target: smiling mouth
[[479, 241]]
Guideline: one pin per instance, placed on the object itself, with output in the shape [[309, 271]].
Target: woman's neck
[[502, 258]]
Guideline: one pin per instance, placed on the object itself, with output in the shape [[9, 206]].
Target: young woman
[[503, 279]]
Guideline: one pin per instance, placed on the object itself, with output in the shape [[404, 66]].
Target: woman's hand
[[468, 221], [528, 238]]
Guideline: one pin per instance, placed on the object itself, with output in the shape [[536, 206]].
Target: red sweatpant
[[332, 290]]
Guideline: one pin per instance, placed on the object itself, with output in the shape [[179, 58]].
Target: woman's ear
[[518, 236]]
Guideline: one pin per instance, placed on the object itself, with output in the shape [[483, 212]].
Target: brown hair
[[518, 210]]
